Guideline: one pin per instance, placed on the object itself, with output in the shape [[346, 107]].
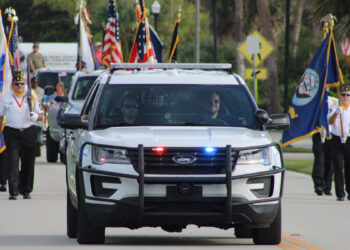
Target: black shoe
[[349, 197], [13, 197], [328, 192], [27, 196], [341, 198], [3, 188], [319, 191]]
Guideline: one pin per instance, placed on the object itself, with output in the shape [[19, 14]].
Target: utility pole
[[215, 31], [286, 59], [197, 53]]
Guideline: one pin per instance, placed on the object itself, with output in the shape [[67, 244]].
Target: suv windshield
[[171, 105], [82, 87]]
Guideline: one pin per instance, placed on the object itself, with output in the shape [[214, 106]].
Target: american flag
[[345, 46], [142, 50], [112, 51]]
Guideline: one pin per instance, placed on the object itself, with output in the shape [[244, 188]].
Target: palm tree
[[339, 8]]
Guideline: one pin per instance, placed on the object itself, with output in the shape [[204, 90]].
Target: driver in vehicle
[[211, 109], [129, 109]]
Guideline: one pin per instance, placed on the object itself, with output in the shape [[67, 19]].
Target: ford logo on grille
[[184, 159]]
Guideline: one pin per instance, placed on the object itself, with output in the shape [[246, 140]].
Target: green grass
[[296, 150], [301, 166]]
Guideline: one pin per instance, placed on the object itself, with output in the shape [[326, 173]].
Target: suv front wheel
[[87, 232], [270, 235]]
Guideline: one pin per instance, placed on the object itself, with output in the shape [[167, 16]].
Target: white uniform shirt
[[345, 117], [332, 101], [17, 113]]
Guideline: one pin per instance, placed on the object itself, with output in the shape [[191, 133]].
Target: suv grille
[[163, 163]]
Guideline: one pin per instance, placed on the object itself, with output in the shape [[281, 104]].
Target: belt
[[16, 129]]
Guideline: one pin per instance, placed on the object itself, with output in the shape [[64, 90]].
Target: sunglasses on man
[[129, 106], [18, 83], [343, 94], [215, 101]]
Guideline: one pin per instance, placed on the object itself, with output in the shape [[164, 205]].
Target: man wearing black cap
[[35, 59], [20, 136], [339, 118]]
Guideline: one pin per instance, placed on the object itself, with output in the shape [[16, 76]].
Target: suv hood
[[179, 136]]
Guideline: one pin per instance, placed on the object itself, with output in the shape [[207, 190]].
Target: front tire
[[72, 218], [51, 148], [87, 232], [243, 233], [270, 235]]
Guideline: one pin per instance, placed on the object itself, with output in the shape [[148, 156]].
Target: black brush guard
[[227, 179]]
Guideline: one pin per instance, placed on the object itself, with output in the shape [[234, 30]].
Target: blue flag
[[309, 109]]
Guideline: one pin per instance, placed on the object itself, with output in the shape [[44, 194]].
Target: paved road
[[309, 221]]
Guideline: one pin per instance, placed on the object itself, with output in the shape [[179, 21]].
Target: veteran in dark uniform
[[21, 112]]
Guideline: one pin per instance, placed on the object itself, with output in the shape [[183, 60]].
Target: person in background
[[38, 94], [99, 53], [339, 118], [60, 90], [36, 60], [20, 136]]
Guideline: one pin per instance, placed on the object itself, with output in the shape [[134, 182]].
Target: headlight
[[101, 155], [255, 156]]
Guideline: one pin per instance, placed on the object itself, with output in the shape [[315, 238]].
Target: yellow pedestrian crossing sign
[[265, 49]]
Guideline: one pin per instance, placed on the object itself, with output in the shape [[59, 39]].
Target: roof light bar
[[217, 66]]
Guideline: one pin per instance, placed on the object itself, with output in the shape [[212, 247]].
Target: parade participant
[[322, 171], [99, 53], [35, 59], [38, 94], [20, 134], [339, 118]]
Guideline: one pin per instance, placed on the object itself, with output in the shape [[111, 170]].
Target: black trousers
[[328, 165], [340, 157], [20, 144], [3, 170], [319, 160]]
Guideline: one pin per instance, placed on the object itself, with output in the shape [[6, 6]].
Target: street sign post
[[255, 50]]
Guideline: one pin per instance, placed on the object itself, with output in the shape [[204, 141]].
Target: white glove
[[33, 116], [337, 111]]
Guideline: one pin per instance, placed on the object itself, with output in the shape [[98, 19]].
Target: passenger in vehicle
[[60, 89], [129, 109]]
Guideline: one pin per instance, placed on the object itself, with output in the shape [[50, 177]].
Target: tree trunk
[[197, 52], [296, 26], [272, 88], [238, 34]]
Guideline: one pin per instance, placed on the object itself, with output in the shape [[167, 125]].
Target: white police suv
[[169, 146]]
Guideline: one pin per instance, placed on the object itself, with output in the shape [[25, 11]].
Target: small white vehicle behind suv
[[174, 145], [79, 87]]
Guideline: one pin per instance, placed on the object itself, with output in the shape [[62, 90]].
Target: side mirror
[[61, 98], [49, 90], [262, 116], [72, 121], [279, 121]]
